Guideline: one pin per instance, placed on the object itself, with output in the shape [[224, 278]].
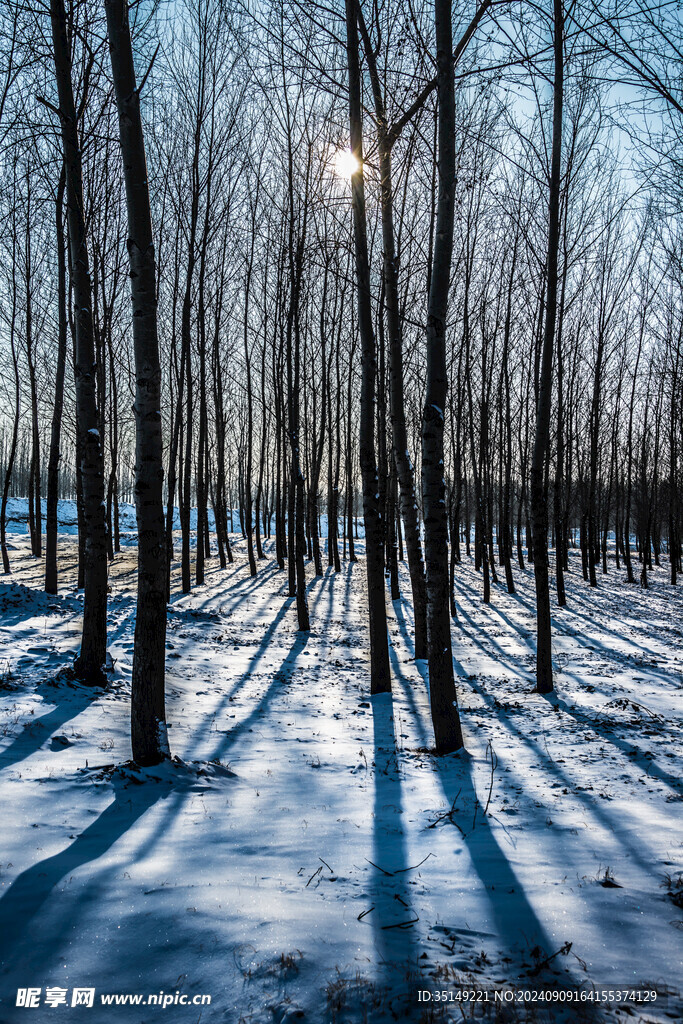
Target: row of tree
[[392, 261]]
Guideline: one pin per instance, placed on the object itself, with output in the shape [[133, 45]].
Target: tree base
[[544, 689], [89, 675]]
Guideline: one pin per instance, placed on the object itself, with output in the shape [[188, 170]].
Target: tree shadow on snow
[[27, 899], [274, 687], [406, 684], [517, 926], [254, 661], [231, 735], [634, 753], [392, 917], [19, 602], [70, 700], [538, 961], [553, 769]]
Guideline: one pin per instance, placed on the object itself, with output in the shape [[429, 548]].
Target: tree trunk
[[401, 455], [380, 676], [445, 715], [15, 431], [148, 718], [55, 434], [90, 664], [538, 492]]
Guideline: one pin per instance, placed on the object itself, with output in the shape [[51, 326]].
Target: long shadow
[[313, 581], [392, 918], [591, 644], [210, 597], [421, 665], [399, 675], [500, 655], [253, 582], [212, 609], [249, 582], [528, 641], [231, 737], [36, 731], [348, 573], [324, 592], [33, 603], [579, 609], [552, 767], [125, 625], [628, 747], [619, 658], [399, 611], [590, 641], [493, 863], [493, 610], [253, 662], [515, 920], [25, 898]]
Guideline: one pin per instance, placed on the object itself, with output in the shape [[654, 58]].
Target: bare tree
[[90, 663], [537, 484], [148, 718], [445, 716], [380, 676]]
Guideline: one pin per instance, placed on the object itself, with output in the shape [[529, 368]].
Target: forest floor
[[308, 858]]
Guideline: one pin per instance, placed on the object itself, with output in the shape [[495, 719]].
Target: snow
[[162, 734], [304, 853], [67, 519]]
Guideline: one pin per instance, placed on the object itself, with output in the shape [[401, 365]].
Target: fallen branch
[[398, 871]]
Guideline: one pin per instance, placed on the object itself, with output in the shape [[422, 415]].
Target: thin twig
[[147, 72], [384, 872], [448, 816], [643, 708], [494, 765], [401, 924], [414, 866], [317, 872]]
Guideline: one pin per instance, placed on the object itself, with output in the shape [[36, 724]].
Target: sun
[[345, 164]]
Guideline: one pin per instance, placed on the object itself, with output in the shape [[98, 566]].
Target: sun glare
[[345, 163]]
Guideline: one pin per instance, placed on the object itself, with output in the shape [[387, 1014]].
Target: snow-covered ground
[[310, 858], [67, 519]]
